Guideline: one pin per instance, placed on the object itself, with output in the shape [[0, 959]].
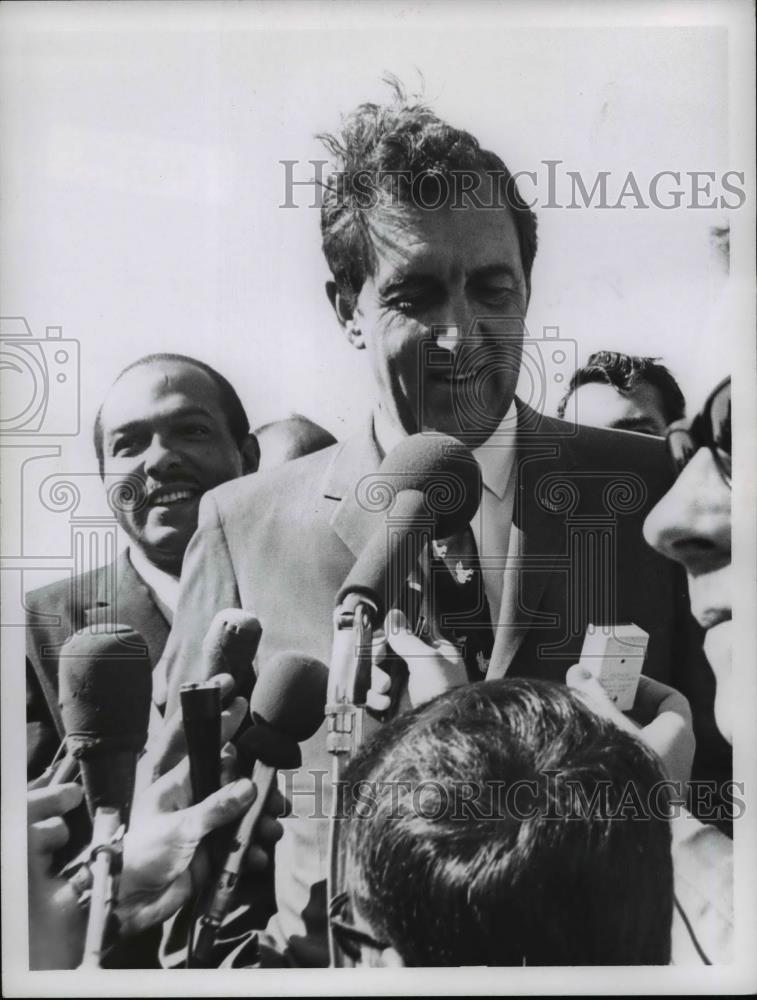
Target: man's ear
[[345, 313], [250, 452]]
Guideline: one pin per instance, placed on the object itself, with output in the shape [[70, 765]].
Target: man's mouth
[[171, 496]]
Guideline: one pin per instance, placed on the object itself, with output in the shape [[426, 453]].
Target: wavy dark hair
[[400, 154], [566, 879]]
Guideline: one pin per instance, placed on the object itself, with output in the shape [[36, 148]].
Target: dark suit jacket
[[110, 593], [281, 544]]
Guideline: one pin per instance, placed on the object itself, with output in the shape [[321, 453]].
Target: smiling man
[[430, 248], [170, 429]]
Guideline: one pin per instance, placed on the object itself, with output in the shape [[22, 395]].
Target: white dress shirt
[[163, 587]]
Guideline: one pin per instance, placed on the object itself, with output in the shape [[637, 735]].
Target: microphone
[[432, 487], [230, 646], [201, 717], [435, 485], [287, 708], [105, 687]]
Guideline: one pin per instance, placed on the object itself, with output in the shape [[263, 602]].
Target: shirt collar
[[163, 587], [495, 456]]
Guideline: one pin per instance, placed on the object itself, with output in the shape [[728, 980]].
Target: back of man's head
[[284, 440], [506, 824], [401, 155]]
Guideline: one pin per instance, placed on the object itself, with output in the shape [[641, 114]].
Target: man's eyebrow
[[496, 271], [181, 414], [400, 282]]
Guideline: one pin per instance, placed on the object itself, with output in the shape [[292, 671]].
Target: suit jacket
[[281, 544], [113, 593]]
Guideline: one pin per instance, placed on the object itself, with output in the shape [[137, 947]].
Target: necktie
[[458, 600]]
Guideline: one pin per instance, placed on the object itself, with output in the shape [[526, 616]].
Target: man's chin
[[164, 547], [718, 648]]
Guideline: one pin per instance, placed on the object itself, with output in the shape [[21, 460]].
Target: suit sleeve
[[208, 585]]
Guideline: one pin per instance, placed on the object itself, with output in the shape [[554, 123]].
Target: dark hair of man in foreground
[[493, 888]]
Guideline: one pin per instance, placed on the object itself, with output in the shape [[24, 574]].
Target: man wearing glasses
[[692, 525]]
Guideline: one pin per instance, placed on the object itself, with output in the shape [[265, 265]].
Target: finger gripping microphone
[[287, 708], [105, 687]]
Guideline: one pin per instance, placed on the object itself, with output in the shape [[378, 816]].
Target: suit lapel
[[348, 480], [122, 596], [537, 533]]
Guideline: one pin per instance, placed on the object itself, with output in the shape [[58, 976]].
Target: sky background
[[142, 192]]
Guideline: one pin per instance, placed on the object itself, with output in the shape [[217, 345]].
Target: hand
[[164, 863], [432, 669], [170, 746], [57, 923], [662, 713]]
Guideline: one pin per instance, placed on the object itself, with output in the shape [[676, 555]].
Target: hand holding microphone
[[434, 484], [287, 707], [105, 691], [164, 861], [228, 651], [56, 921]]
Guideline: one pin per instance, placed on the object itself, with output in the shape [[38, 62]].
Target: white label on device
[[615, 655]]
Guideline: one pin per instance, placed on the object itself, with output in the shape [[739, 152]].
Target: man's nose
[[160, 456], [692, 522]]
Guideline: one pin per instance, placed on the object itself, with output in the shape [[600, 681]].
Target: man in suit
[[170, 428], [436, 300]]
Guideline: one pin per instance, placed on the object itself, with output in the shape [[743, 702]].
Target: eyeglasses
[[710, 428], [347, 936]]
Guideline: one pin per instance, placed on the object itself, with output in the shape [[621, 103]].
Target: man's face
[[455, 272], [692, 524], [605, 406], [165, 433]]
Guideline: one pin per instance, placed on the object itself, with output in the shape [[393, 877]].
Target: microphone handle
[[102, 895], [108, 780], [201, 715], [263, 776]]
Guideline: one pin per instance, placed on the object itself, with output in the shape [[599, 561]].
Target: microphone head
[[264, 743], [290, 695], [429, 484], [230, 646], [105, 688], [443, 470]]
